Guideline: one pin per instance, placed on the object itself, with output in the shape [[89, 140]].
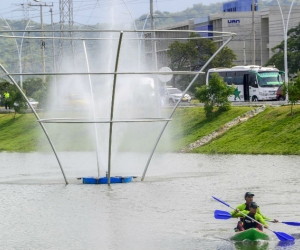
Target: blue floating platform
[[104, 180]]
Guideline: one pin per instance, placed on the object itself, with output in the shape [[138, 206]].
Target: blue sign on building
[[239, 6], [234, 21]]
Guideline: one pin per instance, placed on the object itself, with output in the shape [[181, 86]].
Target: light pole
[[42, 28], [145, 23], [253, 33], [19, 48], [133, 21], [53, 51], [154, 42], [285, 30], [244, 40]]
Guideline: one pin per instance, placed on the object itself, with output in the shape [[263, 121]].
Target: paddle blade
[[283, 236], [222, 215], [296, 224]]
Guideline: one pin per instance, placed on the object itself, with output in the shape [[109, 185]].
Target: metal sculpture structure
[[117, 35]]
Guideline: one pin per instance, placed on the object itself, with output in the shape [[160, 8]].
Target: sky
[[90, 12]]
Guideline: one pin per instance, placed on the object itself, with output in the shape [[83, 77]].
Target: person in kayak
[[252, 213], [246, 206]]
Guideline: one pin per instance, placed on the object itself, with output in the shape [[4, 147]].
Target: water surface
[[171, 209]]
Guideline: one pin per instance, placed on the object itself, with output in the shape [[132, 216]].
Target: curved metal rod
[[125, 31], [93, 108], [37, 117], [114, 73], [191, 83], [112, 107], [110, 39], [75, 120]]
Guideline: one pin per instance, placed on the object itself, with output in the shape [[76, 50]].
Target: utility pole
[[42, 28], [154, 57], [53, 50], [253, 33], [66, 23]]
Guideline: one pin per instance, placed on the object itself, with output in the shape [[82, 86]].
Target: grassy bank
[[18, 134], [273, 131]]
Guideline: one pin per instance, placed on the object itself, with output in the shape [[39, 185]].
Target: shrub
[[215, 95]]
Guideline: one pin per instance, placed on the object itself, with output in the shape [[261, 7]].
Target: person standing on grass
[[6, 99]]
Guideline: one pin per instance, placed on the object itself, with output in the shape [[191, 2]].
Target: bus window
[[228, 80], [269, 79], [223, 74], [239, 80], [252, 81]]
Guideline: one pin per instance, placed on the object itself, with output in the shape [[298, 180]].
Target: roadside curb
[[240, 119]]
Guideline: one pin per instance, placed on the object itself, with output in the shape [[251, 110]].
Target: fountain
[[109, 96]]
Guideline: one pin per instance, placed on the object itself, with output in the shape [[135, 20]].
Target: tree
[[293, 91], [32, 85], [16, 100], [293, 52], [215, 94], [192, 55]]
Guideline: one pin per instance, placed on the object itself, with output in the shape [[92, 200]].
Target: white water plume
[[136, 96]]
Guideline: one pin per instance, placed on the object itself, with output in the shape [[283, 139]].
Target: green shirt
[[257, 216], [242, 207]]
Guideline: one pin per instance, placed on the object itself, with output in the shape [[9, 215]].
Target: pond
[[172, 209]]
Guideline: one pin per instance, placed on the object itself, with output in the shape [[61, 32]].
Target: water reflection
[[286, 244], [263, 245], [248, 245]]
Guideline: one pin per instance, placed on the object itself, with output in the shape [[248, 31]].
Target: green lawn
[[273, 131], [190, 124]]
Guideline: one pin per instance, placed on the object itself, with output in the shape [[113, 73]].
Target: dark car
[[279, 94]]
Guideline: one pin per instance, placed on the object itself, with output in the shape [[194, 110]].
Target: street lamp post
[[139, 44], [285, 30], [253, 33], [42, 28], [244, 49], [154, 42], [19, 48], [53, 50]]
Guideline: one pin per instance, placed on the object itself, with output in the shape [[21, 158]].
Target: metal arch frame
[[37, 116], [115, 73], [176, 105]]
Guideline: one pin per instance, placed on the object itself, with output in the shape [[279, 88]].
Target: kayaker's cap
[[248, 194], [254, 205]]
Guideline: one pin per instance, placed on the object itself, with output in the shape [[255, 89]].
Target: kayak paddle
[[280, 235], [290, 223], [224, 215]]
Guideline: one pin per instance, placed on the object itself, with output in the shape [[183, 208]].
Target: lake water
[[171, 209]]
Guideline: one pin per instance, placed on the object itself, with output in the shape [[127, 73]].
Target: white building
[[269, 31]]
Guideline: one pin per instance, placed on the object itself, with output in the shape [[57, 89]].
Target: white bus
[[253, 83]]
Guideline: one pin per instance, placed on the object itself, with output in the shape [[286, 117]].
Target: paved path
[[4, 111]]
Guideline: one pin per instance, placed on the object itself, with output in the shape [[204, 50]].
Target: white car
[[33, 102], [172, 95]]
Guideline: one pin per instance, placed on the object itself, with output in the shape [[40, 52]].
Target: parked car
[[76, 100], [32, 101], [174, 94], [279, 94]]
